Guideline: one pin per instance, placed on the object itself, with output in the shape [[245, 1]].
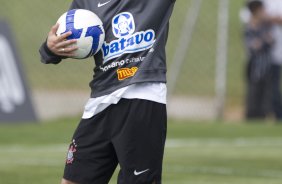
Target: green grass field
[[196, 153]]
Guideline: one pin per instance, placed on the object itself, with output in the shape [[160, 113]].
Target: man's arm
[[276, 20], [56, 48], [252, 41], [255, 43]]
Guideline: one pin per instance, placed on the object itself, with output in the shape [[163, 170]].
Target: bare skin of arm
[[276, 20]]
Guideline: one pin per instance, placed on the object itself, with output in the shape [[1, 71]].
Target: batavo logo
[[125, 73], [128, 40]]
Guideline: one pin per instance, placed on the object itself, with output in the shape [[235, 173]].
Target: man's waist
[[125, 78]]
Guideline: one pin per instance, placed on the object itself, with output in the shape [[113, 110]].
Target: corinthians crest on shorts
[[72, 150]]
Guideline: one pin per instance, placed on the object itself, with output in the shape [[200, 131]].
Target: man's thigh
[[139, 143], [91, 156]]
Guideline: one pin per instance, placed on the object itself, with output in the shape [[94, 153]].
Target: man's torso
[[134, 48]]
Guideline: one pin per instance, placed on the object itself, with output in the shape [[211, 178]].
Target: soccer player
[[124, 121]]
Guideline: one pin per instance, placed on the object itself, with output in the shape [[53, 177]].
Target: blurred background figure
[[273, 10], [259, 41]]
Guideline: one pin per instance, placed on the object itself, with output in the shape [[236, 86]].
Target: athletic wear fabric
[[131, 133], [155, 92], [134, 49]]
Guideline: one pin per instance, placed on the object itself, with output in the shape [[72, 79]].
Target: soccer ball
[[86, 27]]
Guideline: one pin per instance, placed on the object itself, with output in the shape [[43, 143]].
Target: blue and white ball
[[86, 27]]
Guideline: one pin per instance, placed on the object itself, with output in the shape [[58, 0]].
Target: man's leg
[[266, 97], [276, 92], [91, 157], [254, 101], [139, 140]]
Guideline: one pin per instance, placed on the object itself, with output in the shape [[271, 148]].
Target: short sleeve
[[77, 4]]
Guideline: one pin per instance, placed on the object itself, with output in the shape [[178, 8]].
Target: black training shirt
[[134, 48]]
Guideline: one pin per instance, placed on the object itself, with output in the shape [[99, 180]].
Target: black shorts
[[131, 133]]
